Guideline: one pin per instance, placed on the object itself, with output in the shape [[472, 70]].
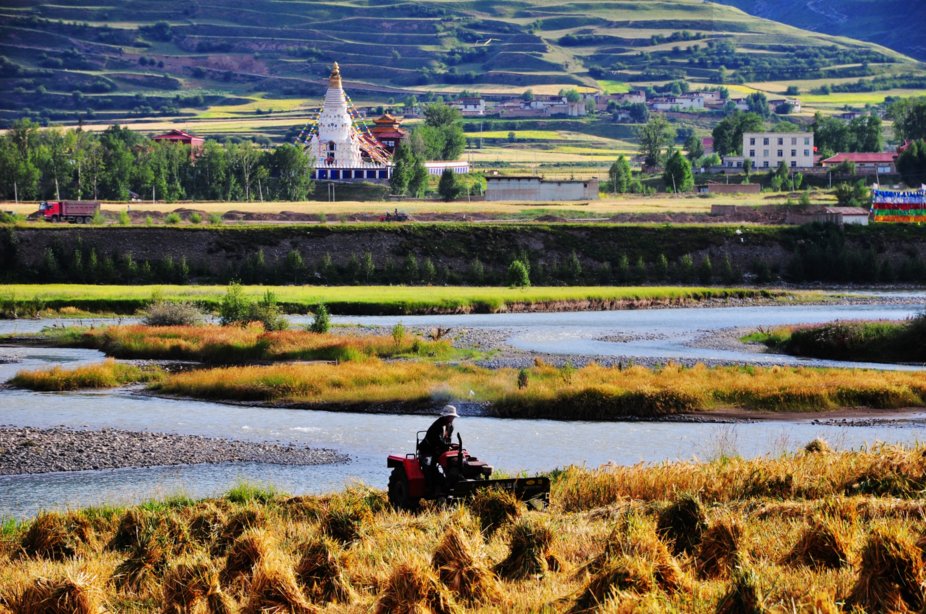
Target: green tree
[[678, 175], [655, 136], [912, 164], [291, 168], [619, 175], [728, 133], [403, 163], [758, 104], [909, 115], [448, 188], [853, 194], [518, 275], [694, 147]]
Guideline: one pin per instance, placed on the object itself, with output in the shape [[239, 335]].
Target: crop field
[[366, 299], [815, 530]]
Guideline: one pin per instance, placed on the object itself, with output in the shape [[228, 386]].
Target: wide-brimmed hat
[[448, 410]]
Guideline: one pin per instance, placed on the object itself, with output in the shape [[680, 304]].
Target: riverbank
[[32, 450], [810, 530]]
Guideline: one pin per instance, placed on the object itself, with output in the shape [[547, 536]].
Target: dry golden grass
[[252, 342], [608, 554], [591, 393], [107, 374]]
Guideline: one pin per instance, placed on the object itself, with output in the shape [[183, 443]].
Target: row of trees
[[117, 163]]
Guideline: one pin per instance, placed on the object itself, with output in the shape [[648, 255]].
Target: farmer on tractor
[[437, 441]]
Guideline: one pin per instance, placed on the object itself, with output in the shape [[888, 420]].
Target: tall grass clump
[[721, 548], [56, 536], [494, 508], [273, 588], [108, 374], [744, 596], [824, 544], [192, 584]]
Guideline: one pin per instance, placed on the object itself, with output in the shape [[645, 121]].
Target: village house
[[777, 102], [684, 102], [470, 107], [865, 163], [532, 188], [196, 143], [541, 106]]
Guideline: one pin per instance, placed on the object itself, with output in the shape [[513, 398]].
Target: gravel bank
[[32, 450]]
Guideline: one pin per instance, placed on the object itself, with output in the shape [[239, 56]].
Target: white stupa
[[342, 151]]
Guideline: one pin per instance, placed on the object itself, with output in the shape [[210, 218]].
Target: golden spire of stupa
[[335, 79]]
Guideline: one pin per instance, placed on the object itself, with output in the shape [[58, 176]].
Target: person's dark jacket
[[438, 438]]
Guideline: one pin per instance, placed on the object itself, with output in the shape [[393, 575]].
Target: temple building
[[345, 150], [389, 132], [342, 148]]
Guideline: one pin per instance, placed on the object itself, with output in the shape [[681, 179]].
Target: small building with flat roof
[[538, 189]]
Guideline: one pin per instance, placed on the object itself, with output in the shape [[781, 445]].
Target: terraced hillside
[[64, 60]]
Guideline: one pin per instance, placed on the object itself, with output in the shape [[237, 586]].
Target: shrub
[[321, 323], [172, 218], [167, 313], [124, 219], [195, 218], [234, 306], [215, 219]]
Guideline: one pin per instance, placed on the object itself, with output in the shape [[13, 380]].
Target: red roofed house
[[866, 163], [707, 143], [389, 132], [179, 136]]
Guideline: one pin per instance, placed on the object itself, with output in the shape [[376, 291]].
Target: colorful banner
[[892, 206]]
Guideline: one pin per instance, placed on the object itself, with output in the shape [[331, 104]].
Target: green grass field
[[369, 299]]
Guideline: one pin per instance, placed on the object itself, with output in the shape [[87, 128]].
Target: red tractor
[[458, 475]]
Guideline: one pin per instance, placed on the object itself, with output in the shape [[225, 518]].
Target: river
[[510, 445]]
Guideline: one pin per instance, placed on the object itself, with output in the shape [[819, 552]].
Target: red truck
[[77, 211]]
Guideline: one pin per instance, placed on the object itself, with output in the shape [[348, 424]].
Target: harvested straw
[[456, 567], [342, 522], [273, 588], [131, 527], [245, 554], [822, 545], [248, 518], [891, 572], [76, 593], [412, 589], [205, 522], [634, 537], [682, 523], [192, 583], [321, 573], [618, 575], [743, 596], [494, 508], [817, 446], [719, 551], [529, 551], [144, 567], [56, 536]]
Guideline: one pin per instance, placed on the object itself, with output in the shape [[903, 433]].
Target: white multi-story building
[[768, 149]]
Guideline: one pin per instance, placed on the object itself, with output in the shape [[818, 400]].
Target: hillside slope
[[897, 24], [62, 60]]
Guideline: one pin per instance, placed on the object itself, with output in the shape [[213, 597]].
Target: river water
[[510, 445]]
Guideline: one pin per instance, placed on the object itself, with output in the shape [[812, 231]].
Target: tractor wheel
[[399, 496]]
